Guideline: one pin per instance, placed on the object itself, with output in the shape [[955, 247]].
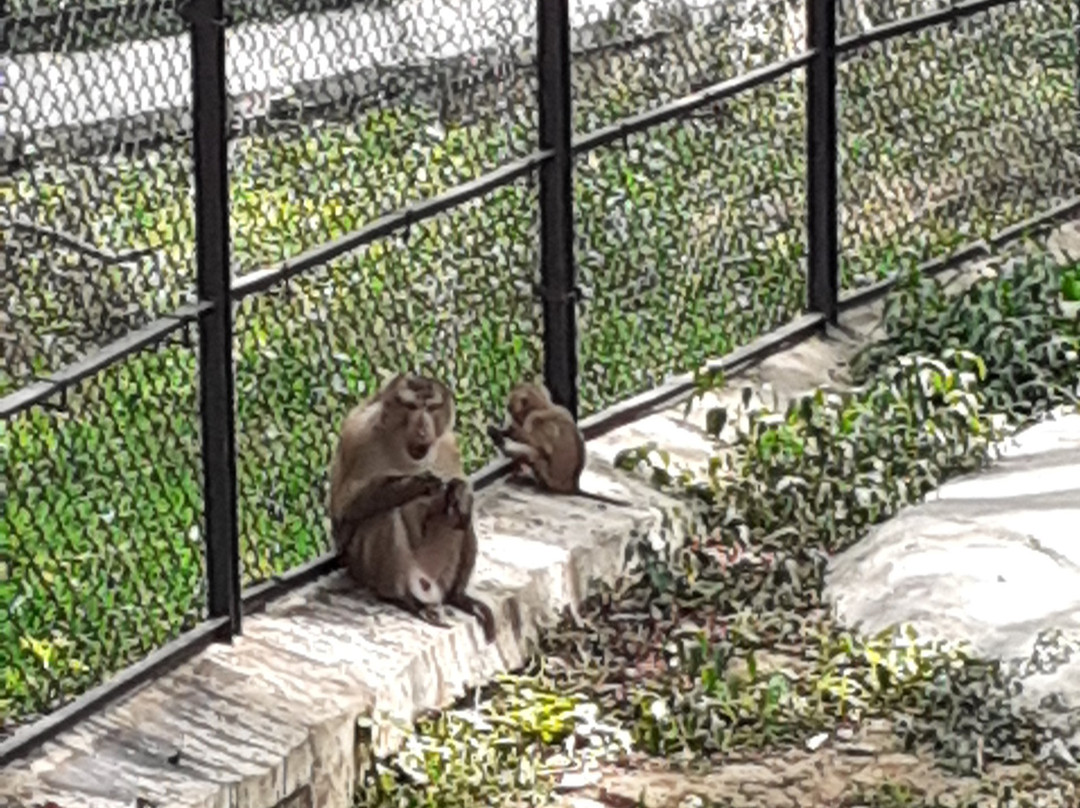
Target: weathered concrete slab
[[136, 90], [993, 558]]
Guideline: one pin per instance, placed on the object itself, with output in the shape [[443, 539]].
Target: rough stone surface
[[993, 558]]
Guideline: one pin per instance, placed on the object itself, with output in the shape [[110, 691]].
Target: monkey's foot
[[432, 615], [481, 611], [521, 476], [426, 612]]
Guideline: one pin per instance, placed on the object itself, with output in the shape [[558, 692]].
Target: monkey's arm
[[362, 500], [498, 435]]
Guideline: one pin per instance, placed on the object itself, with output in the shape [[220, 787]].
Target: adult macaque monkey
[[400, 505], [544, 437]]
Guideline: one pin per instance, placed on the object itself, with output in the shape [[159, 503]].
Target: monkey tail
[[621, 503]]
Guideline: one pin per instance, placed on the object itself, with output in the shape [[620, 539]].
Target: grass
[[690, 243]]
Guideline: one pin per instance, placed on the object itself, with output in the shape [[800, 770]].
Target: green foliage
[[1070, 284], [690, 243], [722, 643], [1014, 320]]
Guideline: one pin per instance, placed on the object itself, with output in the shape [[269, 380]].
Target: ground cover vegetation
[[719, 649], [690, 242]]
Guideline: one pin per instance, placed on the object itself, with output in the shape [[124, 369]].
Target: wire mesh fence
[[690, 240], [954, 132], [384, 192], [101, 529], [452, 295]]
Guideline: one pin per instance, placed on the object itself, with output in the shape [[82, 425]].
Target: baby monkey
[[400, 505], [544, 437]]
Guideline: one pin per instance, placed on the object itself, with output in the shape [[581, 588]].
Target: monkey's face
[[526, 398], [420, 410]]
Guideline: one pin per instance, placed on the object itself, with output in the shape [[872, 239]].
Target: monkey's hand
[[497, 435], [386, 493], [423, 484], [458, 502]]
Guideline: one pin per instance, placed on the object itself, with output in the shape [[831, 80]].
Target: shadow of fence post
[[822, 282]]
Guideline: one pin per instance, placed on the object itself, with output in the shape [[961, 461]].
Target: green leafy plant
[[722, 643]]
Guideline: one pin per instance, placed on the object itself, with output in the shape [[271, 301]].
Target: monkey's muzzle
[[417, 451]]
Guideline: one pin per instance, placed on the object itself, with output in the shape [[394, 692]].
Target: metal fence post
[[821, 160], [1075, 20], [7, 22], [215, 326], [558, 284]]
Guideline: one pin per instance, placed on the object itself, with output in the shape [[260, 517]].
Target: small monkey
[[544, 436], [400, 506]]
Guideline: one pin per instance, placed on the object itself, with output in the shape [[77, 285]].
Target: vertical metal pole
[[1076, 72], [821, 160], [7, 22], [558, 273], [215, 327]]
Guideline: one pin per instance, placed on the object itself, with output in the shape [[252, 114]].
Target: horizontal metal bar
[[680, 386], [935, 266], [25, 397], [975, 249], [157, 663], [190, 311], [263, 279], [688, 103], [152, 332], [910, 25], [1039, 221], [254, 599]]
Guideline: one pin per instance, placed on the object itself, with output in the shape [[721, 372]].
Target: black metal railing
[[606, 204]]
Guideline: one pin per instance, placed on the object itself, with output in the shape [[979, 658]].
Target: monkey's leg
[[481, 611], [458, 503], [522, 455], [522, 451]]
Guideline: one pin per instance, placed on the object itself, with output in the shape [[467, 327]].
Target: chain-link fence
[[602, 200]]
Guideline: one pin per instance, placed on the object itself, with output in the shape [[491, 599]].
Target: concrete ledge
[[275, 713]]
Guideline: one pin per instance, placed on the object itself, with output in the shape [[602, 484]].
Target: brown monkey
[[544, 436], [397, 487]]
